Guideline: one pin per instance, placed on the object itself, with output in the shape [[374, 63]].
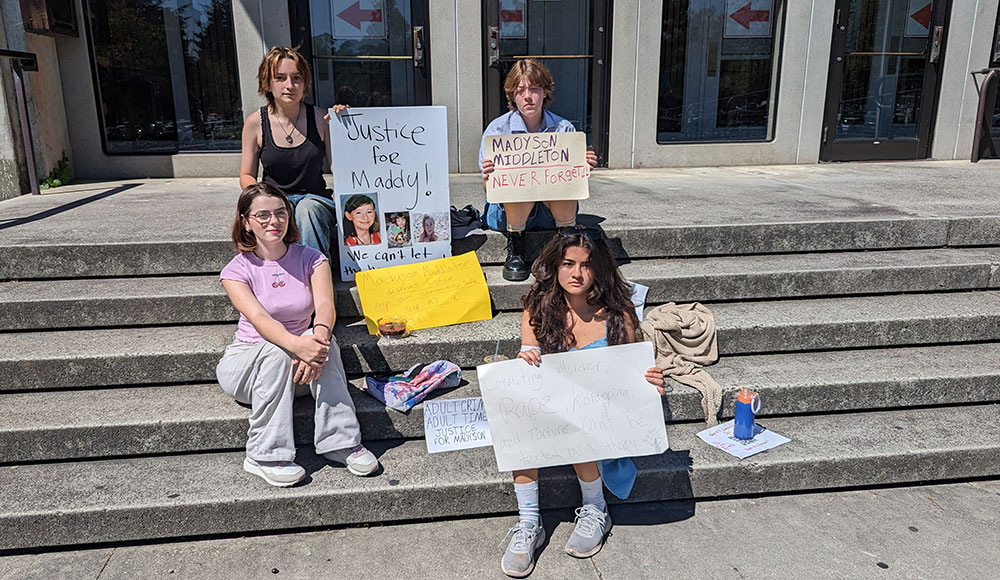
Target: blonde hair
[[536, 74], [269, 67]]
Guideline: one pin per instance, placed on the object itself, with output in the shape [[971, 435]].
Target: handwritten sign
[[721, 437], [577, 406], [537, 167], [438, 293], [454, 424], [389, 174]]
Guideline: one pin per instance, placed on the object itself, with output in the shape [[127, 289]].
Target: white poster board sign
[[721, 437], [390, 182], [453, 424], [537, 167], [577, 406]]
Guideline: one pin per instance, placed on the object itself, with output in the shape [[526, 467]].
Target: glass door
[[365, 53], [571, 38], [883, 84]]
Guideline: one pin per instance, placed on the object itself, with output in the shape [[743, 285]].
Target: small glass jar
[[393, 327]]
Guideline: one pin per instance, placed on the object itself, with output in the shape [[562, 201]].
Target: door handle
[[936, 44], [494, 46], [418, 46]]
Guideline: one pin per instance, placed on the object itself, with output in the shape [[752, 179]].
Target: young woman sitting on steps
[[277, 285]]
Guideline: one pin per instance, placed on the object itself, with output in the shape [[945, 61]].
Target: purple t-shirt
[[281, 287]]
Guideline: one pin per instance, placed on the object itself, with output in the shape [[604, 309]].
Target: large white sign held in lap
[[576, 407], [390, 179]]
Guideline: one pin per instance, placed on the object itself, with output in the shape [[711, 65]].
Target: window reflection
[[347, 44], [716, 78], [166, 75]]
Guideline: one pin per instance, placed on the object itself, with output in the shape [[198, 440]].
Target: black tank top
[[294, 169]]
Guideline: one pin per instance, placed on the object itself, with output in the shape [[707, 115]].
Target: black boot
[[515, 268]]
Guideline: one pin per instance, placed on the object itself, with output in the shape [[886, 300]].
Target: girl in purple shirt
[[277, 286]]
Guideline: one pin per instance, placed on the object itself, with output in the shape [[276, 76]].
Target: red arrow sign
[[511, 16], [744, 16], [354, 15], [923, 16]]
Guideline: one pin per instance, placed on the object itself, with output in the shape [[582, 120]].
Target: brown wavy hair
[[269, 67], [546, 304], [537, 75], [246, 241]]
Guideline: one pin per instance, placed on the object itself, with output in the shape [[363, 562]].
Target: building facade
[[159, 88]]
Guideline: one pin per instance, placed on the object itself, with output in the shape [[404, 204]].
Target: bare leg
[[517, 214], [564, 212], [529, 475], [585, 471]]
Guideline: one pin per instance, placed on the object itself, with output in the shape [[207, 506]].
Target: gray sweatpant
[[260, 374]]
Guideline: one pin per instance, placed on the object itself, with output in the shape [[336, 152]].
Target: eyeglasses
[[587, 232], [265, 217]]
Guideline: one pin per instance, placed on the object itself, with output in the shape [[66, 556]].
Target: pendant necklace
[[291, 127]]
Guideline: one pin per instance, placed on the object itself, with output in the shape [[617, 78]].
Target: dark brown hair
[[244, 239], [269, 67], [546, 304], [536, 74]]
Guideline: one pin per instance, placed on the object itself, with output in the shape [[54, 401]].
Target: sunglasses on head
[[587, 232]]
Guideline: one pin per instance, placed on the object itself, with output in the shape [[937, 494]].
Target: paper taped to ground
[[721, 437], [577, 406], [453, 424]]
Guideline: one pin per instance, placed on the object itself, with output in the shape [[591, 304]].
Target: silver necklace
[[291, 127]]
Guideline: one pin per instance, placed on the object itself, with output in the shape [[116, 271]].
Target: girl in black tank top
[[284, 80], [296, 169]]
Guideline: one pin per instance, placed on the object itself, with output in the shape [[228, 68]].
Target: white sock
[[593, 493], [527, 502]]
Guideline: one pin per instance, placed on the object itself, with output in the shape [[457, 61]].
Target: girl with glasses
[[579, 300], [277, 286]]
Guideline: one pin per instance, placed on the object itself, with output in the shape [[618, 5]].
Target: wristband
[[326, 326]]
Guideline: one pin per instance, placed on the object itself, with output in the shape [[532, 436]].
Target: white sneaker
[[519, 559], [277, 473], [592, 525], [358, 460]]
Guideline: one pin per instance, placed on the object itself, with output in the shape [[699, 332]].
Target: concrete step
[[59, 425], [108, 302], [175, 496], [41, 260], [868, 533], [46, 360]]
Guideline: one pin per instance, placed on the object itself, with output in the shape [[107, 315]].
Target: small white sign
[[578, 406], [748, 19], [453, 424], [721, 437], [918, 18], [513, 18], [358, 18]]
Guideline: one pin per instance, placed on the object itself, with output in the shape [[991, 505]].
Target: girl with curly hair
[[579, 300]]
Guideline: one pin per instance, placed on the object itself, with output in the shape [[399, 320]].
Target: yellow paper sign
[[537, 167], [428, 294]]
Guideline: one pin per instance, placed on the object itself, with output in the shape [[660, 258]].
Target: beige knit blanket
[[685, 340]]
